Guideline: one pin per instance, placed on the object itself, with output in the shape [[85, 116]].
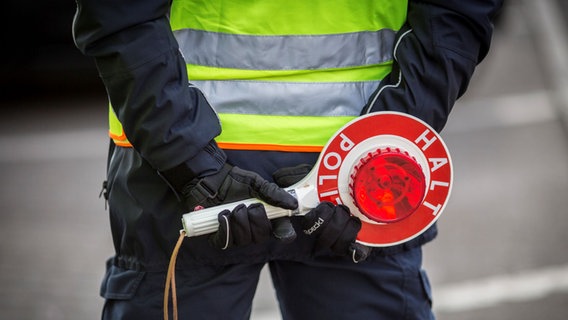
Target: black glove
[[336, 229], [243, 225], [286, 177]]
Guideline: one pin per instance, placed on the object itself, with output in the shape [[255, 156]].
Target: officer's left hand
[[285, 177], [336, 229], [242, 226]]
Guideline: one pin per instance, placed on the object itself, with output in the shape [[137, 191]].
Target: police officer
[[218, 101]]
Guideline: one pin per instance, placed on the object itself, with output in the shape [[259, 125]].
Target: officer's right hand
[[243, 225], [335, 229]]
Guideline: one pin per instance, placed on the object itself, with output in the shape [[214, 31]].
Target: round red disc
[[370, 133]]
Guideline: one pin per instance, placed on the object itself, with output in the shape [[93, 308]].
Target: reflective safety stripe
[[366, 73], [287, 98], [121, 140], [276, 133], [268, 147], [266, 52], [115, 130], [282, 133]]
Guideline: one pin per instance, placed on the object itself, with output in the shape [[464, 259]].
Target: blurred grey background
[[501, 253]]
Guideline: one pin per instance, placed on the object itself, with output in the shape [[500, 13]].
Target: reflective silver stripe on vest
[[288, 98], [266, 52]]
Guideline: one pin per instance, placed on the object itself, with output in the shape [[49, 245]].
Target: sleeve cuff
[[209, 161]]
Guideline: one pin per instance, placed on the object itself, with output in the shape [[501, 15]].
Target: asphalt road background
[[502, 250]]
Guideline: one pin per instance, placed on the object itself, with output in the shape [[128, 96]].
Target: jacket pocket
[[119, 283]]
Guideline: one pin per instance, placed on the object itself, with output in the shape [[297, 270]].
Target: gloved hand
[[243, 225], [333, 226], [336, 229], [286, 177]]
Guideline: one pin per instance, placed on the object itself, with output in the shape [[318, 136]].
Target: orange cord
[[171, 280]]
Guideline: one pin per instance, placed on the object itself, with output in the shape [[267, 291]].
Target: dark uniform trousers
[[390, 287]]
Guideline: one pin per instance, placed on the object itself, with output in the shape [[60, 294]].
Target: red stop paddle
[[391, 169]]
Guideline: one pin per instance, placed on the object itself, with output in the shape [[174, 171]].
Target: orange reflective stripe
[[123, 144], [268, 147], [114, 136], [115, 132], [120, 140]]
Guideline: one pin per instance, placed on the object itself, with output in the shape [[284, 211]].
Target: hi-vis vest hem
[[284, 75], [280, 133], [287, 133], [115, 131]]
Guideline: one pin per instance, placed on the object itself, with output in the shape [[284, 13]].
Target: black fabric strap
[[199, 190]]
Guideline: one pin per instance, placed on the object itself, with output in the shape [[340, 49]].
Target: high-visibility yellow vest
[[284, 75]]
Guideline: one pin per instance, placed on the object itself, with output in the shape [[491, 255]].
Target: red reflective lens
[[388, 185]]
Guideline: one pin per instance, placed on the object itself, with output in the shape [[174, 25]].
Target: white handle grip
[[205, 221]]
